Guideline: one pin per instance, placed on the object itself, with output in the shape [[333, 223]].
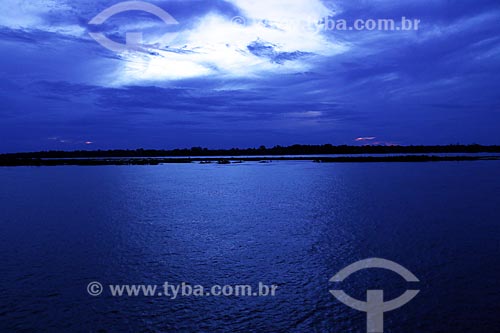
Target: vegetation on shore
[[295, 150], [236, 155]]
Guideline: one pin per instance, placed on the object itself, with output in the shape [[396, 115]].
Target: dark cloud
[[270, 51]]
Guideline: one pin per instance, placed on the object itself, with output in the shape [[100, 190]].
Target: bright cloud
[[24, 13], [273, 38], [31, 15], [370, 138], [276, 10]]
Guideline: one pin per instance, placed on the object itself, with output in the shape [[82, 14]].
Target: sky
[[243, 73]]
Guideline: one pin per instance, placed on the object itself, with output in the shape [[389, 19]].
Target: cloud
[[283, 11], [27, 14], [268, 79], [270, 40], [362, 139]]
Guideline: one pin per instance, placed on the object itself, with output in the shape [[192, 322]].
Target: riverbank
[[13, 161]]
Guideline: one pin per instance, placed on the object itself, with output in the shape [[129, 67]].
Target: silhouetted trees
[[294, 150]]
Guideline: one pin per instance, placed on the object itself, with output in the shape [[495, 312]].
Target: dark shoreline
[[37, 162], [295, 150]]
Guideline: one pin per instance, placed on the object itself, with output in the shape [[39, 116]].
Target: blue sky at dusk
[[275, 75]]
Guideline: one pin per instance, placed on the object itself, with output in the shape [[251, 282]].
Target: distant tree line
[[294, 150]]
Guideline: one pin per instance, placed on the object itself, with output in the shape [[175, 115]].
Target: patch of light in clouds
[[283, 10], [272, 40], [215, 45]]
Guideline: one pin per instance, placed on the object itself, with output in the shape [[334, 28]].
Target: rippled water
[[293, 224]]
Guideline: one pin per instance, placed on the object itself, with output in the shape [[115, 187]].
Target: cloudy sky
[[248, 73]]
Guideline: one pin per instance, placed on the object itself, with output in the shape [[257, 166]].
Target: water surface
[[293, 224]]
